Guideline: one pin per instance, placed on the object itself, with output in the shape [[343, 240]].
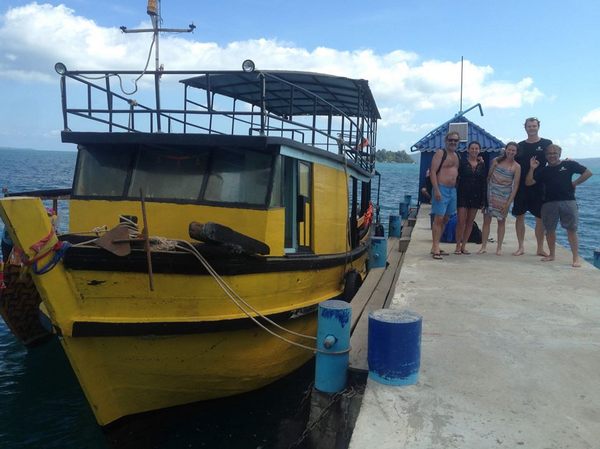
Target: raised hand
[[534, 163]]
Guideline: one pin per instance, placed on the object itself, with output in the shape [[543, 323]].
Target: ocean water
[[42, 405]]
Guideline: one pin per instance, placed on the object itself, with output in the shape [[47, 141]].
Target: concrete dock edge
[[510, 352]]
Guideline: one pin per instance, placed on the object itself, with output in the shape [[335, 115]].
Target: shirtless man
[[443, 201], [529, 198]]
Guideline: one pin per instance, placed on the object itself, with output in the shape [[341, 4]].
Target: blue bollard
[[407, 199], [333, 335], [403, 211], [378, 252], [394, 352], [395, 227], [597, 258]]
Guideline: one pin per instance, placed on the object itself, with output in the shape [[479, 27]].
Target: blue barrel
[[403, 210], [597, 258], [378, 252], [407, 199], [333, 344], [394, 353], [395, 227]]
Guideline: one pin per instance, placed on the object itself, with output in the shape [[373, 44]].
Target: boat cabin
[[284, 157]]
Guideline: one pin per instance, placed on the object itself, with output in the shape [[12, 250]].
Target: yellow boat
[[201, 238]]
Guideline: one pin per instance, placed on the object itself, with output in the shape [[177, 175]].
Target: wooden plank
[[392, 290], [363, 295], [381, 295], [367, 288]]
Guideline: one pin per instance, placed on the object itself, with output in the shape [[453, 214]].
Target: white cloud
[[592, 117], [402, 83], [582, 144]]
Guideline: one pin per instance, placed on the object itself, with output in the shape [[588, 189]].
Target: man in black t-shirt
[[529, 198], [559, 197]]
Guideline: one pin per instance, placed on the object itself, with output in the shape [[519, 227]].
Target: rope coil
[[42, 249]]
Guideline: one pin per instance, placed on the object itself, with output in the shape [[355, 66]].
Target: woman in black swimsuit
[[471, 193]]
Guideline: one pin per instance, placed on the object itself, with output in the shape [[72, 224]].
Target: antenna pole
[[153, 11], [461, 83]]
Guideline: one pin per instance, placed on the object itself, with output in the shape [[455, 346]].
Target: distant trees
[[393, 156]]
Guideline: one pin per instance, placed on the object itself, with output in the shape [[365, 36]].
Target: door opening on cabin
[[297, 181]]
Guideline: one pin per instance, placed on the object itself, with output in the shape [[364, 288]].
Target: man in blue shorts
[[443, 174], [559, 197]]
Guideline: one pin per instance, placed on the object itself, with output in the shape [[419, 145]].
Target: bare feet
[[519, 252], [547, 259], [498, 252], [543, 253], [482, 250], [576, 263]]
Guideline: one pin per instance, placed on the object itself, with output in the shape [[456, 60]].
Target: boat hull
[[136, 349], [122, 376]]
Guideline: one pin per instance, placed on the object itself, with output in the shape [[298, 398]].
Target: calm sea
[[42, 405]]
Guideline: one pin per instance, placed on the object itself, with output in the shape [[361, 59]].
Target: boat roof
[[291, 93]]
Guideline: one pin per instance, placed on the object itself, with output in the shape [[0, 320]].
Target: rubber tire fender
[[352, 283]]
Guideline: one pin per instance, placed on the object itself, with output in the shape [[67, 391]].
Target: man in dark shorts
[[559, 197], [530, 198]]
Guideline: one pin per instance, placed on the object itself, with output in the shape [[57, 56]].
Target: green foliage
[[393, 156]]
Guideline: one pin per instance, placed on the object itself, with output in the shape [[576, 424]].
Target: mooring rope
[[165, 244], [237, 300], [188, 247]]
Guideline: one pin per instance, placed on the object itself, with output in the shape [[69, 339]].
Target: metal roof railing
[[332, 113]]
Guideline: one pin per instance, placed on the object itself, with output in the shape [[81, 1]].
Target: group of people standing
[[530, 175]]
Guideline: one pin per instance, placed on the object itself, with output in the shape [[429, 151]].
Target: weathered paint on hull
[[121, 376]]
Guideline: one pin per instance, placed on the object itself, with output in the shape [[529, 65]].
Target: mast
[[153, 10], [461, 83]]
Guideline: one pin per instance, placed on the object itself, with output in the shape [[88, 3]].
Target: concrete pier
[[510, 354]]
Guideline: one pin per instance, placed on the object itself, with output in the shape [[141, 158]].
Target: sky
[[522, 58]]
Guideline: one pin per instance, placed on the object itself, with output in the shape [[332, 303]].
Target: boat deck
[[509, 354]]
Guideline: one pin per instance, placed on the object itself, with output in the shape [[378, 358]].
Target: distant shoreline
[[2, 148], [34, 149]]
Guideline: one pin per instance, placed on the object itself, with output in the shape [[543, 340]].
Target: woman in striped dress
[[503, 183]]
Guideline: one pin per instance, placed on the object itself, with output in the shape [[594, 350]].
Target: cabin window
[[102, 173], [174, 173], [239, 177], [169, 174], [276, 191], [304, 179], [365, 196]]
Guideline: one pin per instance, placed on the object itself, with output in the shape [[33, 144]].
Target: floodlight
[[60, 68], [248, 65]]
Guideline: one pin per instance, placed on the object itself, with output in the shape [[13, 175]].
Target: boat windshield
[[209, 175]]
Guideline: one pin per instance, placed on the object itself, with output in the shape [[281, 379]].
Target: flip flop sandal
[[436, 256]]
